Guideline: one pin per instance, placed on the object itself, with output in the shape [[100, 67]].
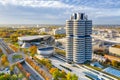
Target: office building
[[78, 36], [59, 31]]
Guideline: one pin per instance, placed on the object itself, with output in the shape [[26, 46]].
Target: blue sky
[[57, 11]]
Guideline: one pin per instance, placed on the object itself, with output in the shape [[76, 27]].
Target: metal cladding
[[78, 36]]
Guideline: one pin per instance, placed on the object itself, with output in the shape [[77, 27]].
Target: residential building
[[59, 31], [78, 36]]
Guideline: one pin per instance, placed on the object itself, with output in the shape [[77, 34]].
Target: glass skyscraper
[[78, 36]]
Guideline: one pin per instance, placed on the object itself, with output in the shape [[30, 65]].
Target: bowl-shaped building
[[46, 52]]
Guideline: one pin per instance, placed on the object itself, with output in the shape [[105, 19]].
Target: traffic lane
[[28, 69], [77, 71]]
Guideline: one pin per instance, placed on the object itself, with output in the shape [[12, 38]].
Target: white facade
[[69, 40], [46, 52], [5, 71], [78, 36], [115, 50], [59, 31], [43, 30]]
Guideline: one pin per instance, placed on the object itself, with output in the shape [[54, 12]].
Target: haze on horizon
[[57, 11]]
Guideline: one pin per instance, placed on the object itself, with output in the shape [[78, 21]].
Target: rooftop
[[47, 48], [32, 37], [116, 46], [112, 71]]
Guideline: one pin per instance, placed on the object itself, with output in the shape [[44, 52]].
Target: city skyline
[[56, 12]]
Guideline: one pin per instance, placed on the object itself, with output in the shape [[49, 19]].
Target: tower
[[78, 38]]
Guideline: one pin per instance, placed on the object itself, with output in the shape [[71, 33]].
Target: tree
[[56, 74], [33, 50], [2, 77], [68, 76], [62, 74], [114, 63], [25, 51], [52, 70], [74, 77], [20, 76], [0, 50], [14, 77], [27, 75], [4, 60], [1, 53], [14, 37]]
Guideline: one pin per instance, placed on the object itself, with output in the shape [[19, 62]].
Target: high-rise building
[[78, 36]]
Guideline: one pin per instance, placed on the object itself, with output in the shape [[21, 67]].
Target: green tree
[[68, 76], [0, 50], [62, 74], [74, 77], [20, 76], [114, 63], [2, 77], [14, 37], [4, 60], [33, 50], [14, 77], [56, 74]]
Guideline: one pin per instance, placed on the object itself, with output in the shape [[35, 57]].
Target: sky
[[58, 11]]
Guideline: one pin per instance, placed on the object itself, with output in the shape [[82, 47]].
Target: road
[[43, 68], [5, 48], [28, 69], [79, 70]]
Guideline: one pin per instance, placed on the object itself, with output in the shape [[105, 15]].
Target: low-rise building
[[60, 43], [43, 30], [5, 71], [96, 64], [59, 31], [99, 58], [112, 58], [115, 49], [27, 41]]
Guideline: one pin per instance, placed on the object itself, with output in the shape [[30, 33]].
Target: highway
[[79, 70], [34, 76], [5, 48]]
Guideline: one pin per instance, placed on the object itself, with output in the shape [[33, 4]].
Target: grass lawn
[[60, 52], [96, 68], [17, 57], [1, 54]]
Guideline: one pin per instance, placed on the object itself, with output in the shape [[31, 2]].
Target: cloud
[[59, 9], [36, 3]]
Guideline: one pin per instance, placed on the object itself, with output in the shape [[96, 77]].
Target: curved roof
[[25, 38], [26, 45], [45, 51], [47, 48]]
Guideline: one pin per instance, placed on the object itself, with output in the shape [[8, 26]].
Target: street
[[34, 76], [79, 70]]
